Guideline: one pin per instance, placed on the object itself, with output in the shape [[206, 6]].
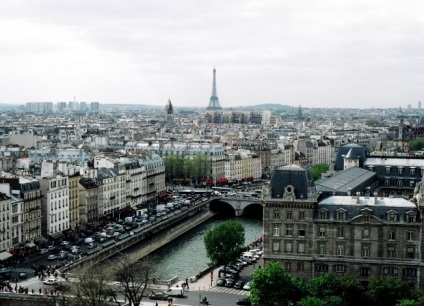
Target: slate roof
[[379, 209], [293, 175], [356, 149], [344, 180]]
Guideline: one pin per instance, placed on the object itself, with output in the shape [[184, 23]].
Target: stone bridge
[[239, 204]]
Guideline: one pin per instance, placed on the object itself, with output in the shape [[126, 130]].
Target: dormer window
[[411, 217], [392, 216], [323, 214], [341, 214], [400, 171], [412, 171], [387, 170]]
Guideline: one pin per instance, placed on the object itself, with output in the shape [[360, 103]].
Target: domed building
[[362, 236]]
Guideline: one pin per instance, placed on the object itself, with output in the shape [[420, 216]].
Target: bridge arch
[[237, 207]]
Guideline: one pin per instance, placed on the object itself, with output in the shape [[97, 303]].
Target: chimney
[[357, 197], [375, 198]]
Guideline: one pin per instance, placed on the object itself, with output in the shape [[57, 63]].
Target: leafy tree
[[273, 286], [133, 277], [325, 301], [372, 122], [351, 291], [407, 302], [324, 285], [388, 291], [317, 170], [416, 145], [224, 242]]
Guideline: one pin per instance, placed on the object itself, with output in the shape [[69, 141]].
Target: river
[[186, 256]]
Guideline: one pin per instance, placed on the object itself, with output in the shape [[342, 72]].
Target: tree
[[273, 286], [317, 170], [327, 301], [133, 277], [416, 145], [92, 287], [388, 291], [224, 242]]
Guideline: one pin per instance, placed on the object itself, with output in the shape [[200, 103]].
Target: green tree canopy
[[388, 291], [273, 286], [224, 242], [416, 145], [317, 170]]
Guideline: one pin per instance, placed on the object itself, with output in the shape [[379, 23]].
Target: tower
[[169, 111], [214, 101]]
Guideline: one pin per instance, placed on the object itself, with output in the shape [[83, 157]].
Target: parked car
[[159, 295], [228, 270], [52, 257], [43, 251], [239, 284], [221, 282], [50, 247], [23, 275], [244, 302], [230, 282], [65, 243], [246, 286]]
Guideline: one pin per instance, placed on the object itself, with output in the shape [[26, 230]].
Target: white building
[[5, 212], [55, 205]]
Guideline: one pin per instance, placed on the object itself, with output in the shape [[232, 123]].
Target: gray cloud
[[314, 53]]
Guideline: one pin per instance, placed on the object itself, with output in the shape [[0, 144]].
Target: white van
[[249, 257], [175, 291]]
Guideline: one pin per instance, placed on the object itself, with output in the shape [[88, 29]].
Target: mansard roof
[[291, 175]]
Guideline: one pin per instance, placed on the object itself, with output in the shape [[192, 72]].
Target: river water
[[186, 256]]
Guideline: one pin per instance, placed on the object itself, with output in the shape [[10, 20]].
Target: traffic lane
[[214, 298]]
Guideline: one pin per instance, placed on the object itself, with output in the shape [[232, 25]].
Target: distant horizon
[[201, 107]]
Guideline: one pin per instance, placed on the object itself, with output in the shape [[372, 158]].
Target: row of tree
[[274, 286], [186, 168]]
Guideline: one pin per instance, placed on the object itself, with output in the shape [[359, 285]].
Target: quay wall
[[149, 239]]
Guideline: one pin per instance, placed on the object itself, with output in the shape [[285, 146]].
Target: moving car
[[51, 281], [52, 257], [159, 295]]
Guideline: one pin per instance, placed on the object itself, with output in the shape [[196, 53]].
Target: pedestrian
[[39, 290], [156, 304]]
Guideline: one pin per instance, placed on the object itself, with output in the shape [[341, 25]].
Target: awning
[[135, 208], [56, 235], [5, 255], [29, 245]]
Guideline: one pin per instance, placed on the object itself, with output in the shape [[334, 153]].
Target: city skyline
[[353, 54]]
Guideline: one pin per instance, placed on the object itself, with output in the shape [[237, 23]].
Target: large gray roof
[[344, 180]]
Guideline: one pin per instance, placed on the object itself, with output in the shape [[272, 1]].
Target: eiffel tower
[[214, 101]]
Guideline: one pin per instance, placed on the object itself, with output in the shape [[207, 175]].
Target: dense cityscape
[[69, 166]]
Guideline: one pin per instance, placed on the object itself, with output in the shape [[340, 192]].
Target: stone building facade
[[345, 235]]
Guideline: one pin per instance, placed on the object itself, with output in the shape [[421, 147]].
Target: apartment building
[[88, 200], [55, 205], [346, 235]]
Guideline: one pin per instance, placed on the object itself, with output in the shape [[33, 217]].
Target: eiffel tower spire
[[214, 101]]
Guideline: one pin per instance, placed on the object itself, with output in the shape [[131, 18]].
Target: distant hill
[[270, 106]]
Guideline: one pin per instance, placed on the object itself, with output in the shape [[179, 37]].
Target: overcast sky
[[359, 53]]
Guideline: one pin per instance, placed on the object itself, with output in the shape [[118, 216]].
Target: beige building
[[345, 235]]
